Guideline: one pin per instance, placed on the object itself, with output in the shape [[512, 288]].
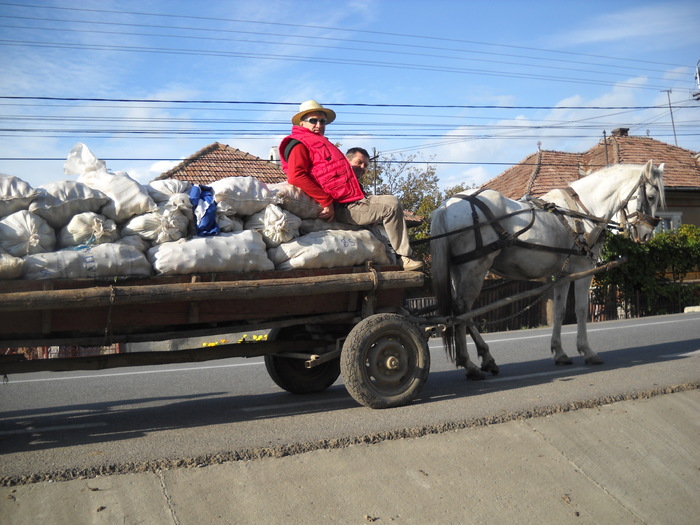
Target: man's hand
[[327, 213]]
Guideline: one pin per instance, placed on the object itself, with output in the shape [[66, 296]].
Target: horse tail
[[440, 273]]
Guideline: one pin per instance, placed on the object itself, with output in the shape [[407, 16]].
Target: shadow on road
[[92, 423]]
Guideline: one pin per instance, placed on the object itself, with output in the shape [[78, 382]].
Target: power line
[[490, 60], [339, 104], [189, 18], [320, 60]]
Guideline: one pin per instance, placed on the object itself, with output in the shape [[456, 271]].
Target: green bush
[[654, 271]]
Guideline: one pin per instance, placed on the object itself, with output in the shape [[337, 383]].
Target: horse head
[[638, 211]]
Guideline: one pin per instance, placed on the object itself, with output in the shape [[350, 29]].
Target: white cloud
[[661, 25]]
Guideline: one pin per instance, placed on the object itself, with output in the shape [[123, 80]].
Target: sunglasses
[[314, 121]]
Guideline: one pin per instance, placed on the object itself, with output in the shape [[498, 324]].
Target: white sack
[[135, 242], [162, 189], [100, 261], [275, 225], [24, 233], [295, 200], [319, 225], [128, 197], [15, 194], [228, 224], [60, 201], [165, 225], [329, 249], [10, 266], [227, 252], [88, 228], [81, 160], [242, 195]]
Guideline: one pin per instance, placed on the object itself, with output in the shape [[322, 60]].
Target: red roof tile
[[545, 170], [218, 161]]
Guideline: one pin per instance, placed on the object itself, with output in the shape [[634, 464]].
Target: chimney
[[620, 132], [274, 155]]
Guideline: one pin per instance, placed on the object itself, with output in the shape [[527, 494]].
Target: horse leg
[[488, 363], [462, 356], [582, 287], [467, 281], [560, 294]]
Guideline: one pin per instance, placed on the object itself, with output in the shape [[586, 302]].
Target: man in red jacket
[[320, 169]]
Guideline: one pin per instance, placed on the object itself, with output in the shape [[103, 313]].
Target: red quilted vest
[[330, 168]]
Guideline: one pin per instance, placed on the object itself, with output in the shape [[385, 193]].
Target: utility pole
[[605, 141], [376, 175], [668, 94]]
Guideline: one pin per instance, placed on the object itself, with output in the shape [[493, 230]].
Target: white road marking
[[433, 343], [38, 430], [300, 404], [687, 354], [138, 372], [538, 374]]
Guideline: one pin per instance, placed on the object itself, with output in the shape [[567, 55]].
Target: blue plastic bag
[[204, 208]]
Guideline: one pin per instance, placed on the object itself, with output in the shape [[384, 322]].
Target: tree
[[415, 184]]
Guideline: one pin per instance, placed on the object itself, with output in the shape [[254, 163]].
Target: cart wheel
[[385, 361], [291, 375]]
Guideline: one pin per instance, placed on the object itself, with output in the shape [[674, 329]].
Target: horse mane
[[653, 174]]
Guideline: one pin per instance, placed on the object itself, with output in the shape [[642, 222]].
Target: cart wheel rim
[[388, 364]]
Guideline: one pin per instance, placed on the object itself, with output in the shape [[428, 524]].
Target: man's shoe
[[410, 264]]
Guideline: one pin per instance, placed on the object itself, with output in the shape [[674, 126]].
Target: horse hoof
[[475, 375], [490, 366], [563, 361], [594, 360]]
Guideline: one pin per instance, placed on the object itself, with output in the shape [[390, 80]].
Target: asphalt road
[[189, 414]]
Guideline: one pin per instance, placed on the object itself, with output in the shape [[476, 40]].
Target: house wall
[[687, 202]]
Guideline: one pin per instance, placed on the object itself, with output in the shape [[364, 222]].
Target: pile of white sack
[[102, 224]]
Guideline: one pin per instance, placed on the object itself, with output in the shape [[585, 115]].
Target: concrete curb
[[628, 462]]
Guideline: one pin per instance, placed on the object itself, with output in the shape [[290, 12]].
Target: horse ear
[[648, 169]]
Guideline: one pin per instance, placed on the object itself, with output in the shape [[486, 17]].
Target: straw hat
[[309, 107]]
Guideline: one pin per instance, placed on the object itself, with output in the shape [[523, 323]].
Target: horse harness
[[582, 241], [640, 215]]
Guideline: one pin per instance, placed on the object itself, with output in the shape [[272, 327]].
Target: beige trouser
[[378, 208]]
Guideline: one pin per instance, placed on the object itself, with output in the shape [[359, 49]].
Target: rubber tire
[[364, 357], [291, 375]]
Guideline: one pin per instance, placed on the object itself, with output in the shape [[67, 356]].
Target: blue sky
[[471, 86]]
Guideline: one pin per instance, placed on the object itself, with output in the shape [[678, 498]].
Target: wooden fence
[[536, 312]]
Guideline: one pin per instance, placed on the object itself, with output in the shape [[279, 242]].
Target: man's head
[[315, 122], [359, 160], [313, 116]]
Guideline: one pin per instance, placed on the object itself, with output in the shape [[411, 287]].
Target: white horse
[[476, 232]]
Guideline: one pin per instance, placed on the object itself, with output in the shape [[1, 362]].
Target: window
[[670, 220]]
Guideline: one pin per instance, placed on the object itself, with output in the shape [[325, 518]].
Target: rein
[[507, 239], [639, 216], [583, 245]]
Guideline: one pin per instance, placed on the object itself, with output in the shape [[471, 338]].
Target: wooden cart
[[321, 323]]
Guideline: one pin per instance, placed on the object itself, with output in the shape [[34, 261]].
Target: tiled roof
[[545, 170], [682, 166], [218, 161], [537, 174]]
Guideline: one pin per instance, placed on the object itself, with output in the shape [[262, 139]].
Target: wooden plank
[[202, 291], [18, 364], [164, 333]]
